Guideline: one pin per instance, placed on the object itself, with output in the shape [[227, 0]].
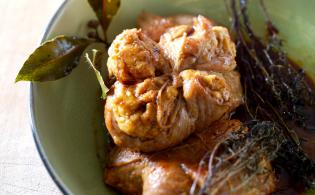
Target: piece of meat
[[134, 56], [173, 171], [210, 96], [154, 26], [154, 104], [161, 112], [201, 46], [191, 41], [182, 19]]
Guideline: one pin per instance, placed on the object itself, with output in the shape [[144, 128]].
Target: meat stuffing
[[166, 90]]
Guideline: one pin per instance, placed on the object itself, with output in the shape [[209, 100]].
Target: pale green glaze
[[68, 112]]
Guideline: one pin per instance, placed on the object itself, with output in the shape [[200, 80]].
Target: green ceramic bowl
[[67, 117]]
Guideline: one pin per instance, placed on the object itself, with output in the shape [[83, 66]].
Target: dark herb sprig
[[241, 157], [274, 91], [278, 100]]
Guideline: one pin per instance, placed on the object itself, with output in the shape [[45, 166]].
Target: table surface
[[21, 169]]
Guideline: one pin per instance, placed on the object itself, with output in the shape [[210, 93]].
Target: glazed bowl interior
[[67, 115]]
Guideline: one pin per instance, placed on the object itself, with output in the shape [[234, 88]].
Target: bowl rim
[[54, 176]]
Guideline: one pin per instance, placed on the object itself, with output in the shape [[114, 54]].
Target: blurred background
[[22, 24]]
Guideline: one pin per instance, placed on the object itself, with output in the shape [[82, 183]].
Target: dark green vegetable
[[53, 60]]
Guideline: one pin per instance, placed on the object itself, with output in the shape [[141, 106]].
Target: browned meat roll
[[159, 100]]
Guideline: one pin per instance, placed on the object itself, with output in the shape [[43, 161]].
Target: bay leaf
[[54, 59], [105, 10]]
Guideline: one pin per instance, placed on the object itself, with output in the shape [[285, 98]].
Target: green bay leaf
[[105, 10], [54, 59]]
